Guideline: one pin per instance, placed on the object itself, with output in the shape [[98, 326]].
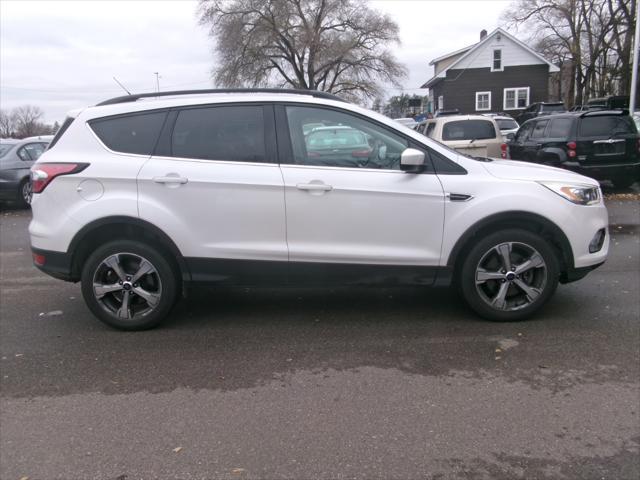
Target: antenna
[[122, 86], [157, 74]]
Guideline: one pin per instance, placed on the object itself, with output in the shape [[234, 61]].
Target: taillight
[[503, 150], [572, 149], [42, 174], [361, 153]]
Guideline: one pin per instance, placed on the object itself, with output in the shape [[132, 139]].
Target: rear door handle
[[314, 187], [171, 179]]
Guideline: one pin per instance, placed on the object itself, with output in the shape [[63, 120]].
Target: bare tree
[[27, 121], [338, 46], [590, 38], [7, 124]]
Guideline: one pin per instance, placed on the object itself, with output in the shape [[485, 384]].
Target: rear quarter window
[[606, 126], [468, 130], [135, 133], [560, 127]]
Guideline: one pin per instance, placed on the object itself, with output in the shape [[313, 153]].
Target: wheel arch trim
[[85, 231], [515, 217]]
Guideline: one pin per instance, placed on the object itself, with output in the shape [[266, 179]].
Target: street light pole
[[634, 72]]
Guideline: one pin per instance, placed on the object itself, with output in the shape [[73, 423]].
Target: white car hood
[[514, 170]]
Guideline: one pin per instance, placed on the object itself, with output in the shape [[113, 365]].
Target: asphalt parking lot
[[322, 383]]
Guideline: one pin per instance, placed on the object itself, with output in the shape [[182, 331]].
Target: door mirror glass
[[411, 160]]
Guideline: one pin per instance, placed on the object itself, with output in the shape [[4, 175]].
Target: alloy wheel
[[511, 276], [127, 286]]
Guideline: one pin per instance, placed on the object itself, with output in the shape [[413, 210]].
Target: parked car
[[610, 102], [475, 135], [507, 125], [538, 109], [221, 187], [407, 122], [333, 145], [447, 113], [602, 144], [16, 158]]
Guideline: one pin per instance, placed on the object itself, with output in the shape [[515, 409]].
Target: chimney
[[483, 33]]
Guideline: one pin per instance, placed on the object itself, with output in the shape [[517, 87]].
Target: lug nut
[[135, 285], [128, 278], [120, 282], [130, 292]]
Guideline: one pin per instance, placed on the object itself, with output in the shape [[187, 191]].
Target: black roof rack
[[605, 112], [137, 96]]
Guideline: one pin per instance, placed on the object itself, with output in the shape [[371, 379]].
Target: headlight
[[575, 193]]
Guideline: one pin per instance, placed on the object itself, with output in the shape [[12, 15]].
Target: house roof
[[470, 50], [462, 50]]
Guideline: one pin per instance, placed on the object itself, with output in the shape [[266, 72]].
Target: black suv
[[538, 109], [602, 144]]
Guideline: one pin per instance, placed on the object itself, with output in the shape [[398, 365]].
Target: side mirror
[[510, 137], [411, 160]]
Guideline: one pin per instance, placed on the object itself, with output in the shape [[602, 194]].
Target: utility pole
[[157, 74], [634, 72]]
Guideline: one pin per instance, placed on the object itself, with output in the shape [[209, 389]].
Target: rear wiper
[[483, 159]]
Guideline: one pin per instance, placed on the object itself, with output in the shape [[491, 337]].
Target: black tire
[[150, 298], [623, 182], [483, 262], [23, 195]]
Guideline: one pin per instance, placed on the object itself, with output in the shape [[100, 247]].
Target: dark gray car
[[16, 158]]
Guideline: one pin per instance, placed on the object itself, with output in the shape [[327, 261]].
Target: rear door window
[[468, 130], [31, 151], [228, 133], [606, 126], [538, 130], [135, 133]]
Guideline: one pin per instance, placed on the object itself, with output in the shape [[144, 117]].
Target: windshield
[[506, 124], [468, 130], [5, 147]]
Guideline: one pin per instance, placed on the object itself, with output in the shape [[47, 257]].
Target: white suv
[[140, 195]]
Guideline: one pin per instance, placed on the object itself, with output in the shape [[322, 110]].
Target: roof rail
[[605, 111], [295, 91]]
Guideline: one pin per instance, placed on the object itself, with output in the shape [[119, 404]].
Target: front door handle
[[314, 187], [171, 179]]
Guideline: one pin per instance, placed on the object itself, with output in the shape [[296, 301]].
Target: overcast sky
[[62, 55]]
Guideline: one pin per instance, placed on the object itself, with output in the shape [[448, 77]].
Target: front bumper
[[575, 274], [9, 190]]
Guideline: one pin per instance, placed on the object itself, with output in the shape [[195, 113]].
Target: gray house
[[497, 74]]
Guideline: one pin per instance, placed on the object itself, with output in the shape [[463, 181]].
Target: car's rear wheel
[[509, 275], [129, 285], [25, 193]]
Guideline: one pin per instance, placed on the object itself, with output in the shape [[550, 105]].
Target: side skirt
[[270, 273]]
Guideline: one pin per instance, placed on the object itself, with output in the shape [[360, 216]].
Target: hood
[[514, 170]]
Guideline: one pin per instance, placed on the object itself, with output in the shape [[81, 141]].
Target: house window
[[483, 100], [440, 102], [496, 66], [515, 98]]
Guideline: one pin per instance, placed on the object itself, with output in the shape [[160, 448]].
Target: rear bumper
[[56, 264], [603, 172]]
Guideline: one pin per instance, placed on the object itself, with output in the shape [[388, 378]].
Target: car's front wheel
[[129, 285], [509, 275]]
